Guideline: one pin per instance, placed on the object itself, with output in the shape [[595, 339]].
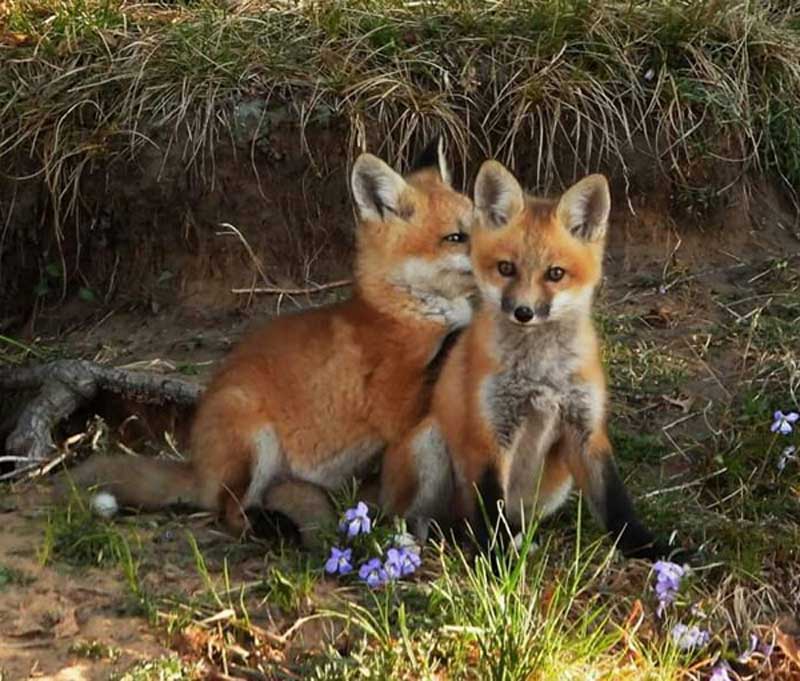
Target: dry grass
[[85, 83]]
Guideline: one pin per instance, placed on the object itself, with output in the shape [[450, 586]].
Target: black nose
[[523, 314]]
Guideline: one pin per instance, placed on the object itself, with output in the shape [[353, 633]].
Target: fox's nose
[[523, 314]]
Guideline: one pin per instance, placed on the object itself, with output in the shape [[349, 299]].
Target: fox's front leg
[[591, 461], [417, 479], [590, 458]]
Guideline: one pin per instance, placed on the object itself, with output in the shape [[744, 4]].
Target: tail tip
[[104, 504]]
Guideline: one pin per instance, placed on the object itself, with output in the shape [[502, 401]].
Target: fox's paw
[[420, 529]]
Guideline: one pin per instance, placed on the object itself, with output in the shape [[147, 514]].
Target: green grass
[[161, 669], [9, 577], [641, 367], [94, 650], [75, 536], [637, 447], [545, 614], [14, 352], [569, 609]]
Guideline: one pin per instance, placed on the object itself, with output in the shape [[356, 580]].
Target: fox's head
[[413, 236], [538, 260]]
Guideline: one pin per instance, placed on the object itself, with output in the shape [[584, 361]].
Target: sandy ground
[[56, 611]]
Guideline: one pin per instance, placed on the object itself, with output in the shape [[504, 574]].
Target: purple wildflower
[[356, 520], [720, 672], [339, 561], [401, 562], [372, 573], [393, 566], [689, 638], [788, 454], [411, 561], [668, 582], [783, 423]]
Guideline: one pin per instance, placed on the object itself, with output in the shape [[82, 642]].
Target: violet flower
[[783, 423], [372, 573], [689, 638], [401, 562], [720, 672], [668, 582], [339, 561], [356, 520]]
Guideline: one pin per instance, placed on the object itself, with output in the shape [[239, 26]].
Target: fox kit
[[312, 398], [519, 411]]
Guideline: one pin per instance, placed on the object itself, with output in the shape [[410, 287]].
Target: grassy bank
[[86, 82]]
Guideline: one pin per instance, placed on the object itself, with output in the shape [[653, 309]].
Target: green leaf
[[86, 294], [53, 270]]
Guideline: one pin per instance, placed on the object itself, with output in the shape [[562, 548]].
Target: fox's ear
[[498, 195], [377, 188], [584, 208], [433, 156]]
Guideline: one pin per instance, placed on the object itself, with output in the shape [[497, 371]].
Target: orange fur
[[315, 396], [521, 398]]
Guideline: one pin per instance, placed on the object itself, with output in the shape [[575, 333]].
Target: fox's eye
[[506, 269], [555, 274], [457, 237]]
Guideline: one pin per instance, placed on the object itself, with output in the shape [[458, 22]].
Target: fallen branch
[[64, 386], [276, 291]]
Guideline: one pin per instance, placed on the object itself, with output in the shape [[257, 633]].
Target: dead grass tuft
[[90, 82]]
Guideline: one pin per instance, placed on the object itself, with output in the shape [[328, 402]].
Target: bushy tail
[[138, 482]]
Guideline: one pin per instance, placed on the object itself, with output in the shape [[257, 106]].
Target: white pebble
[[104, 505]]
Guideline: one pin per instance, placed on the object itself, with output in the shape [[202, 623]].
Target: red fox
[[315, 397], [519, 411]]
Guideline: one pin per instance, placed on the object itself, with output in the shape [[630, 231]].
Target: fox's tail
[[139, 482]]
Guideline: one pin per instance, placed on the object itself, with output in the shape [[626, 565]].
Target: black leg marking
[[487, 515], [621, 521]]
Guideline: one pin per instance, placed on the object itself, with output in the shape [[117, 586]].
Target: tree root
[[66, 385]]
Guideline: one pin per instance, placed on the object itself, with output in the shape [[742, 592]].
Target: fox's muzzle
[[524, 314]]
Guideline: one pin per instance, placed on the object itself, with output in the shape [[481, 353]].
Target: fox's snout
[[524, 313]]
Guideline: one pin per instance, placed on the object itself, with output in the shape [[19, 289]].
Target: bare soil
[[51, 611]]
